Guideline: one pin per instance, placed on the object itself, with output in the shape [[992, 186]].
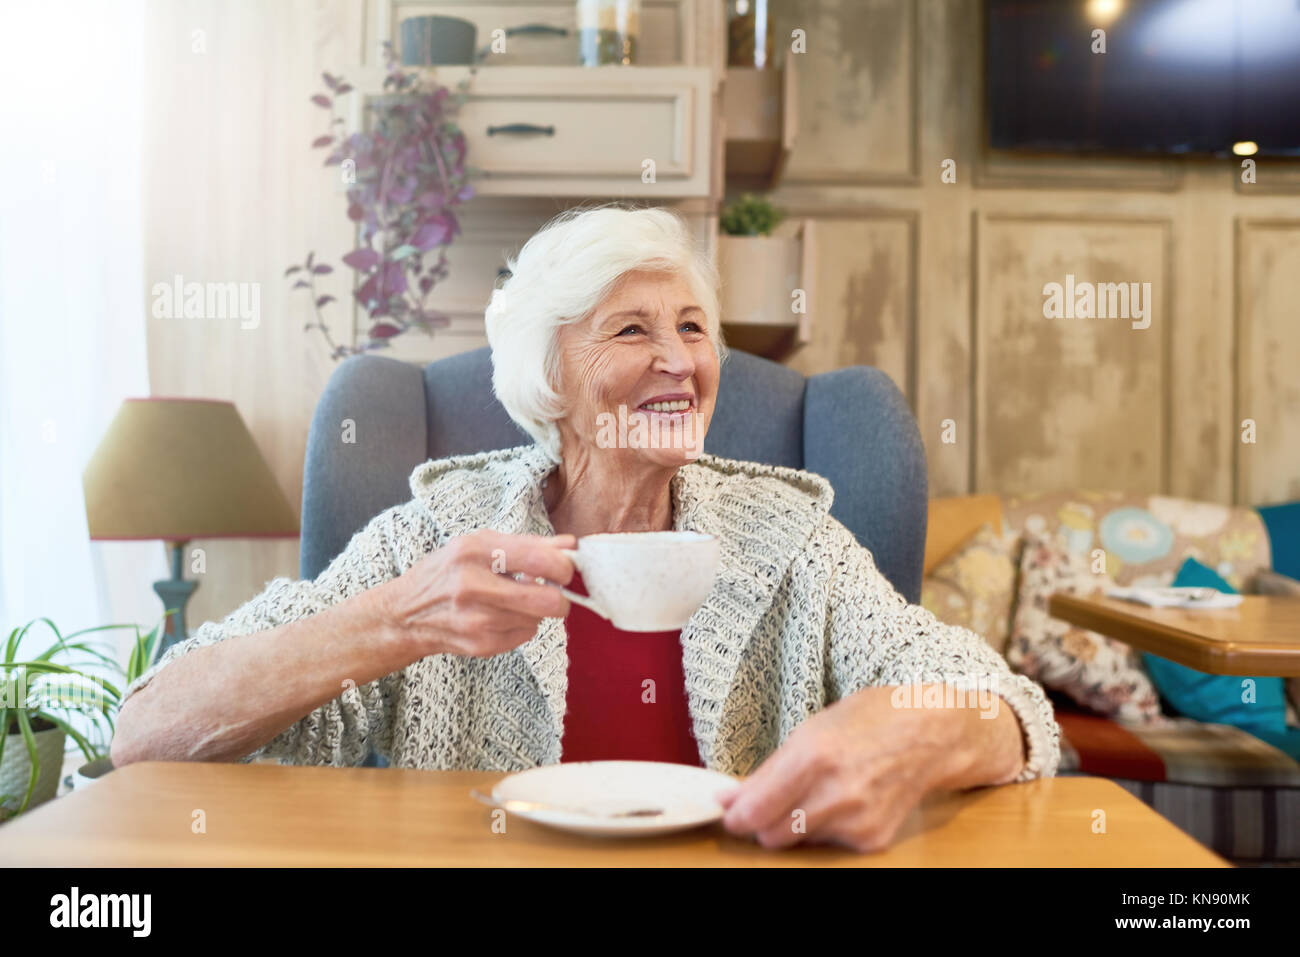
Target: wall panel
[[865, 297], [1062, 402], [1268, 360]]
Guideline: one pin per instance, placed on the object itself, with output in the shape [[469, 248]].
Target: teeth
[[680, 405]]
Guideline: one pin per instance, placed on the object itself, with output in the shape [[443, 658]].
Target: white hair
[[559, 277]]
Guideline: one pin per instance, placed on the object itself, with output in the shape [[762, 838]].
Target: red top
[[611, 713]]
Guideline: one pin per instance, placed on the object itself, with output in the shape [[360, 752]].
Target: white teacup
[[645, 581]]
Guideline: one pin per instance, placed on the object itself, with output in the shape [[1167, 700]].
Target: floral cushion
[[974, 586], [1145, 538], [1099, 673]]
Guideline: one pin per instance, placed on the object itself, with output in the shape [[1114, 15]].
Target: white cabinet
[[635, 132], [543, 133]]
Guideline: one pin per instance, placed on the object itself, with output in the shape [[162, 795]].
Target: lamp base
[[175, 593]]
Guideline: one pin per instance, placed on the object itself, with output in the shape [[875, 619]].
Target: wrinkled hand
[[463, 598], [849, 775]]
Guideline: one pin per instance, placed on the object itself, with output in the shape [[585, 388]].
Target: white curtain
[[72, 305]]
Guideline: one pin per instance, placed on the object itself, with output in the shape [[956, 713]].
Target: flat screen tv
[[1176, 77]]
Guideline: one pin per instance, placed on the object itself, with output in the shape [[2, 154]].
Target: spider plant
[[41, 692]]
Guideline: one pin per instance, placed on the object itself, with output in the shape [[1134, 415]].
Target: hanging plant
[[406, 176]]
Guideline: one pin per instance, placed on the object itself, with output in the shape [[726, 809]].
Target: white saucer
[[684, 792]]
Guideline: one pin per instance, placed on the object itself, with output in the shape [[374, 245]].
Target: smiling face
[[644, 355]]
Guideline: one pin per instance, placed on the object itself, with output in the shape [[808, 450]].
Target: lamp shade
[[180, 469]]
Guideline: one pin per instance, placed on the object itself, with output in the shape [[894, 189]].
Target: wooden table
[[268, 815], [1261, 636]]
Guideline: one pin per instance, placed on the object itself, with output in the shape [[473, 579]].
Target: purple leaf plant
[[406, 177]]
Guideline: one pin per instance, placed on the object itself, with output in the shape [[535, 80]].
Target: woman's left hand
[[852, 773]]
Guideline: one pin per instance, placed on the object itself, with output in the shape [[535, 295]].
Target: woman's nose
[[673, 356]]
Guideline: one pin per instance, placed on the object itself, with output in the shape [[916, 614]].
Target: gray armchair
[[851, 426]]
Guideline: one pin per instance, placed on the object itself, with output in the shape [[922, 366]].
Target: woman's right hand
[[462, 599]]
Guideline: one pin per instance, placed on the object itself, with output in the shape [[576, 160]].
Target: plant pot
[[88, 774], [759, 275], [437, 41], [16, 768]]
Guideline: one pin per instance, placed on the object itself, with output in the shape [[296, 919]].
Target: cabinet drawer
[[587, 131]]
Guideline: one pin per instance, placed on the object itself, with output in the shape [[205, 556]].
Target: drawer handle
[[528, 29], [536, 29], [521, 128]]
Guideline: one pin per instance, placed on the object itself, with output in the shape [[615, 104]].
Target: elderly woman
[[439, 638]]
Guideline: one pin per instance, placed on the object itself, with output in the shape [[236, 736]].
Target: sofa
[[1228, 789]]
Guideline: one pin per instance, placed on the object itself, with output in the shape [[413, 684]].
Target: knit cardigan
[[799, 617]]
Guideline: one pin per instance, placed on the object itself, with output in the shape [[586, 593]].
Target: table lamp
[[176, 470]]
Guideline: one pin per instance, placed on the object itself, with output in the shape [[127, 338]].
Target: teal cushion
[[1196, 574], [1283, 525], [1217, 699]]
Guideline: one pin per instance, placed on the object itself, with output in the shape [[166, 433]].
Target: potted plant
[[750, 216], [759, 271], [37, 696], [406, 176]]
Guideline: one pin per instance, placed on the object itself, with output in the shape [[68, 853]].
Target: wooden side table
[[1261, 636]]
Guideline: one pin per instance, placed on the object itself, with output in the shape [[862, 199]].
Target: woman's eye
[[690, 324]]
